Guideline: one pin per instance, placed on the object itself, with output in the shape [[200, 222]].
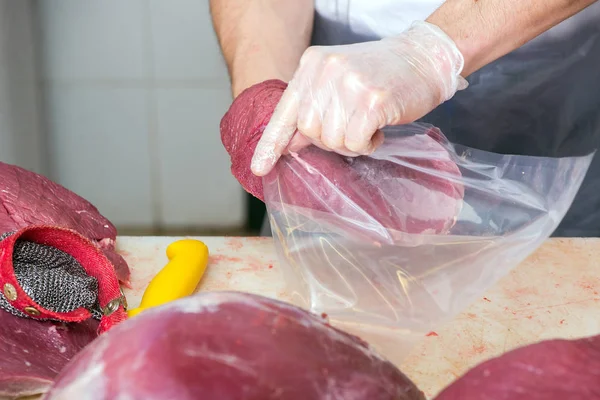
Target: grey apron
[[542, 99]]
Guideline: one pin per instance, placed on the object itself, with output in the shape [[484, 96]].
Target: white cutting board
[[555, 293]]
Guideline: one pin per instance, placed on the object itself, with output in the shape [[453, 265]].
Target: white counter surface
[[555, 293]]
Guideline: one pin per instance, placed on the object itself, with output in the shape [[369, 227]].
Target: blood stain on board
[[253, 265], [123, 253], [234, 243], [562, 321], [486, 299], [473, 351], [432, 334], [285, 296], [524, 291], [257, 239], [219, 258]]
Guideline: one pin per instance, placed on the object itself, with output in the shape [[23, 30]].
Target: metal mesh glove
[[52, 278]]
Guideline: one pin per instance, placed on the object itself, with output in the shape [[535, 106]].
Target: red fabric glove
[[84, 252], [404, 197]]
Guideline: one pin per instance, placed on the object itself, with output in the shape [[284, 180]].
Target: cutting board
[[554, 293]]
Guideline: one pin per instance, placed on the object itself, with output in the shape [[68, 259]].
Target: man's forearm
[[485, 30], [262, 39]]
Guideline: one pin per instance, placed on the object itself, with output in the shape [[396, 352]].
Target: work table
[[553, 294]]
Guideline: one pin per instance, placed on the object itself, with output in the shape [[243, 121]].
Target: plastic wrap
[[533, 101], [393, 245]]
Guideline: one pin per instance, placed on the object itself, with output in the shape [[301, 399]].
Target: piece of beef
[[230, 346], [27, 198], [408, 195], [549, 370], [32, 353]]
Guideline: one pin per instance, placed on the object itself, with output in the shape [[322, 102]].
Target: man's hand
[[341, 96]]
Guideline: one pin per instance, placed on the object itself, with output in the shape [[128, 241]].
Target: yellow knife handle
[[188, 259]]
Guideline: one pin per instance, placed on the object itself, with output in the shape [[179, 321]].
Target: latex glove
[[341, 96]]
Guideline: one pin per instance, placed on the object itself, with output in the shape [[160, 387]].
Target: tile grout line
[[152, 111], [196, 83]]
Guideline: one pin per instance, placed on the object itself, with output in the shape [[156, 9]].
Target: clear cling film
[[392, 245]]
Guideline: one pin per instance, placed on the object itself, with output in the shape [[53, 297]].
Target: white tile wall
[[97, 39], [185, 45], [196, 184], [21, 139], [135, 93], [99, 147]]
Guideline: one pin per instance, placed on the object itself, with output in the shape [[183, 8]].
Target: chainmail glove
[[52, 278]]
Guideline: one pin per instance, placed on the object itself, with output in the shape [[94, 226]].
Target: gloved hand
[[363, 196], [341, 96]]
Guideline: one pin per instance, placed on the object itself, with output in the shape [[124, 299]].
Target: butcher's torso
[[542, 99]]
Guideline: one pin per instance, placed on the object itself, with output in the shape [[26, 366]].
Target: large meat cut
[[549, 370], [27, 198], [230, 346], [233, 346], [412, 193], [32, 353]]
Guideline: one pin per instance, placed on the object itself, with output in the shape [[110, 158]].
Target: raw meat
[[230, 346], [549, 370], [32, 353], [408, 195], [31, 199]]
